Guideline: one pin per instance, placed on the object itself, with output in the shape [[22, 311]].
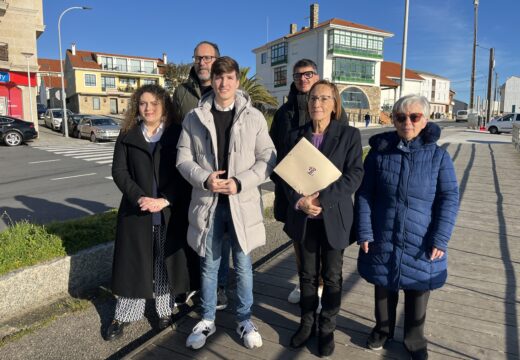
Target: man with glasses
[[186, 98], [290, 116]]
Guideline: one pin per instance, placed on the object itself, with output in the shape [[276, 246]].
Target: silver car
[[98, 128], [503, 124], [53, 118]]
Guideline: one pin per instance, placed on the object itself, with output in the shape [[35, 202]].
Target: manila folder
[[306, 169]]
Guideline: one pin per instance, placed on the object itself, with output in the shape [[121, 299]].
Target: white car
[[503, 124], [53, 118]]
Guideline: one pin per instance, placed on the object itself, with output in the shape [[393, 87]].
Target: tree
[[175, 74], [260, 97]]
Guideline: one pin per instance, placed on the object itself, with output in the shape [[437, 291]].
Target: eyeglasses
[[206, 59], [414, 117], [306, 74], [321, 99]]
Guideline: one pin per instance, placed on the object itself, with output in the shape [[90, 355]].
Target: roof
[[87, 59], [49, 65], [333, 21], [390, 69], [52, 81], [431, 74]]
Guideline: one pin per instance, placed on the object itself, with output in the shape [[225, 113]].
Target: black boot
[[115, 330], [304, 333], [326, 344]]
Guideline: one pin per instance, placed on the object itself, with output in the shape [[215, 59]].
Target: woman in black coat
[[321, 222], [150, 253]]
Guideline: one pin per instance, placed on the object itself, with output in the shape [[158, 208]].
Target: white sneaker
[[320, 292], [200, 333], [248, 331], [294, 296]]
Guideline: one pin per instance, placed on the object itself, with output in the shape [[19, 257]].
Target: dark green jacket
[[186, 97]]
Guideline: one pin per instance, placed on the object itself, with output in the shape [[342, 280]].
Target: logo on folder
[[311, 171]]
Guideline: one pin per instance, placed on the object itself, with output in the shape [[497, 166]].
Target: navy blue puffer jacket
[[407, 204]]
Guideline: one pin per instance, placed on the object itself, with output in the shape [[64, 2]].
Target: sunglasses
[[414, 117], [306, 74]]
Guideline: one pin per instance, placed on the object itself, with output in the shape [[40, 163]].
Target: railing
[[344, 50], [516, 136], [127, 69]]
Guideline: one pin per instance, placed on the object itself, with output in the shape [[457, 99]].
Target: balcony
[[127, 89], [338, 49], [341, 76], [126, 69]]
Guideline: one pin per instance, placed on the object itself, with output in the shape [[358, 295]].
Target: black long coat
[[133, 171], [342, 146]]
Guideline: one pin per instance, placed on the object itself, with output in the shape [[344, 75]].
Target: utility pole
[[472, 88], [490, 80], [495, 111], [405, 43]]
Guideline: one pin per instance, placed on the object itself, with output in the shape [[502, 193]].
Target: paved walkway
[[475, 316]]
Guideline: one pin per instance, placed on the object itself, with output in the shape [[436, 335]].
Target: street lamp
[[64, 115], [405, 43], [472, 87], [28, 55]]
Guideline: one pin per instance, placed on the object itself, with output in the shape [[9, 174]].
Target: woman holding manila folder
[[322, 221]]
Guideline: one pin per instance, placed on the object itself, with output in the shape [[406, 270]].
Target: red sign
[[20, 78]]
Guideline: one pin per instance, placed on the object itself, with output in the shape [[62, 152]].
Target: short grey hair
[[407, 100], [213, 45]]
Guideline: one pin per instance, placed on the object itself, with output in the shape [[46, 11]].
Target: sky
[[440, 32]]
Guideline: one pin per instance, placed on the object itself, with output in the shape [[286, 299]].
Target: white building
[[510, 95], [346, 53], [437, 90], [390, 83]]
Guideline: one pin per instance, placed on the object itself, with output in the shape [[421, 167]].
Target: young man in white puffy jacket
[[225, 152]]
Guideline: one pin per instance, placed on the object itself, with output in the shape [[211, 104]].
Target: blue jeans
[[209, 266]]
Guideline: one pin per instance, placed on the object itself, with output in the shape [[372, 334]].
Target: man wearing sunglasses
[[288, 117]]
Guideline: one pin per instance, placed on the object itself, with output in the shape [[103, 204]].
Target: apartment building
[[102, 83], [346, 53], [510, 95], [49, 82], [21, 24]]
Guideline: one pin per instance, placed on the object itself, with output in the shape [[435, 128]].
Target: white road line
[[85, 157], [44, 161], [104, 162], [109, 177], [107, 157], [74, 176], [87, 153], [79, 152]]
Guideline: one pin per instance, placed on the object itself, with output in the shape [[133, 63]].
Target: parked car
[[73, 121], [14, 131], [462, 115], [98, 128], [54, 117], [503, 124], [41, 109]]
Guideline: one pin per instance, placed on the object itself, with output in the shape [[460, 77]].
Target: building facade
[[101, 83], [437, 90], [510, 95], [346, 53], [21, 24], [390, 84], [49, 83]]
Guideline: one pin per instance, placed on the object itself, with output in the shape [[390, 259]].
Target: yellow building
[[101, 83]]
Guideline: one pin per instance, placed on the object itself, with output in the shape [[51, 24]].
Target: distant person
[[367, 119], [225, 152], [150, 246], [406, 209], [288, 117], [185, 98], [320, 223]]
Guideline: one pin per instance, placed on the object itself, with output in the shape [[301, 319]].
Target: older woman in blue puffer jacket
[[406, 209]]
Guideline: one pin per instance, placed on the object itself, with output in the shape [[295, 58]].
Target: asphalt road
[[54, 178]]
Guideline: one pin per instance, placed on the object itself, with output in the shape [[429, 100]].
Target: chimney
[[164, 58], [73, 48], [293, 28], [314, 15]]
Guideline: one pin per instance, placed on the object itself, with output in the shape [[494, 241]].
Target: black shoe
[[164, 322], [421, 354], [115, 330], [301, 336], [326, 344], [222, 300], [376, 340]]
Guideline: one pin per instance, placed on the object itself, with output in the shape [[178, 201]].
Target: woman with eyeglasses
[[321, 222], [405, 213]]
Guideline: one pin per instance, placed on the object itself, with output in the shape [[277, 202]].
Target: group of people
[[189, 170]]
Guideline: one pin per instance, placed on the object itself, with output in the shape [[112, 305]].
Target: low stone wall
[[516, 136]]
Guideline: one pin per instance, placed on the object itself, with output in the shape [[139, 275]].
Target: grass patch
[[269, 120], [365, 152], [24, 244]]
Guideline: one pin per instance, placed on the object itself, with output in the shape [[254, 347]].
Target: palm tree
[[259, 95]]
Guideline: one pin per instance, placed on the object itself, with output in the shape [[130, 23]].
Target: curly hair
[[132, 113]]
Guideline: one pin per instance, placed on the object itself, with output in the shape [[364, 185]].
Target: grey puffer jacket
[[252, 157]]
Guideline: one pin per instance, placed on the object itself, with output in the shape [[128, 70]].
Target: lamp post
[[64, 107], [472, 88], [405, 43], [28, 55]]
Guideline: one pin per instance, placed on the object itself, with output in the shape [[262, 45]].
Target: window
[[149, 81], [353, 43], [148, 67], [96, 103], [345, 69], [4, 120], [107, 63], [263, 57], [135, 65], [279, 53], [128, 81], [90, 80], [354, 98], [108, 82], [280, 76], [121, 64]]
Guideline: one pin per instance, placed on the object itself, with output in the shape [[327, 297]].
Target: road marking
[[79, 152], [44, 161], [74, 176], [106, 157], [93, 155], [109, 177], [104, 162]]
